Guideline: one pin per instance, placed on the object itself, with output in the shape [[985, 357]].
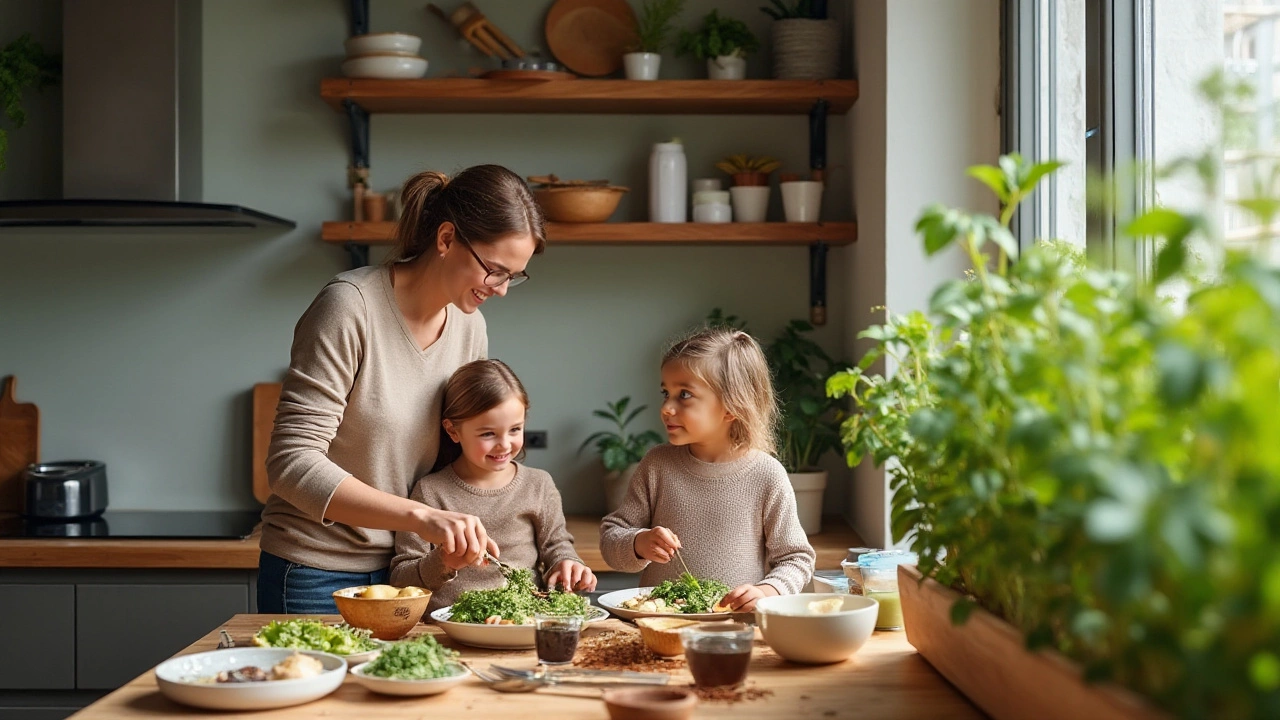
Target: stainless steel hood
[[131, 128]]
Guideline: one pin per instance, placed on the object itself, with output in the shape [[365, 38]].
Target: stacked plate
[[384, 55]]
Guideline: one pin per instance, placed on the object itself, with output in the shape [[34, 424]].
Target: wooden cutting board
[[19, 444], [266, 396]]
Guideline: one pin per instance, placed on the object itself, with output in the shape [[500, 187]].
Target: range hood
[[131, 128]]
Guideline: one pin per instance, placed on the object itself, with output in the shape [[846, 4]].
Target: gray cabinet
[[39, 631], [124, 630]]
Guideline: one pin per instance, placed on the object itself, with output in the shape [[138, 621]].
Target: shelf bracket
[[818, 138], [359, 17], [818, 283], [359, 120], [359, 254]]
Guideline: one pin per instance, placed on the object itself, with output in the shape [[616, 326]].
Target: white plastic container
[[712, 213], [667, 183], [701, 184]]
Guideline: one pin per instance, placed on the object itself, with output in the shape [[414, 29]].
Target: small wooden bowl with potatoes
[[387, 612]]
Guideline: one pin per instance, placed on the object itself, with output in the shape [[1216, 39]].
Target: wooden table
[[886, 679]]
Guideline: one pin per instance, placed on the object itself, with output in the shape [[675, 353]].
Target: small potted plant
[[724, 42], [653, 31], [619, 450], [23, 64], [804, 42], [750, 191]]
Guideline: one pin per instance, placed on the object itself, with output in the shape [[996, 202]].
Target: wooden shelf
[[639, 233], [688, 97]]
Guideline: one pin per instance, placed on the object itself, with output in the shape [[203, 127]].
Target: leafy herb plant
[[23, 64], [718, 37], [810, 419], [782, 10], [655, 24], [618, 448]]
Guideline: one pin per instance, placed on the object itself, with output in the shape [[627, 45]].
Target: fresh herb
[[517, 602], [718, 37], [789, 11], [654, 26], [23, 64], [315, 635], [688, 595], [421, 658]]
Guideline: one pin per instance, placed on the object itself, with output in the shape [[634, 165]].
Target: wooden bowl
[[666, 703], [386, 618], [662, 634], [580, 204]]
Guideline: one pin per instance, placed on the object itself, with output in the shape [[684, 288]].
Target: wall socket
[[535, 439]]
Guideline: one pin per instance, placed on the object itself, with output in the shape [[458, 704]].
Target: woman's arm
[[357, 504]]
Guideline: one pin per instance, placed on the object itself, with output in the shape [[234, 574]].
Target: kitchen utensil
[[266, 396], [19, 444], [590, 36], [579, 676], [65, 490], [798, 634], [520, 685], [692, 579], [225, 640], [505, 568], [479, 30]]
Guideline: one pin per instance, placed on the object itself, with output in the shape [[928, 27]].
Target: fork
[[628, 677]]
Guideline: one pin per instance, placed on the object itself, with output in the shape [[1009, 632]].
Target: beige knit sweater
[[524, 517], [736, 521], [361, 398]]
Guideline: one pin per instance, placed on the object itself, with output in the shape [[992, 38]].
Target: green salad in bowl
[[421, 658], [303, 634], [515, 603]]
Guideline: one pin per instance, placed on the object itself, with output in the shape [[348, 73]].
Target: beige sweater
[[736, 521], [361, 398], [524, 517]]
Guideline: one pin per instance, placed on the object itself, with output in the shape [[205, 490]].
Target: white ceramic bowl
[[497, 637], [800, 636], [393, 686], [177, 678], [613, 603], [374, 43], [385, 66]]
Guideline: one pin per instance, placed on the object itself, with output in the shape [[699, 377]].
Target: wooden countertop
[[886, 679], [831, 546]]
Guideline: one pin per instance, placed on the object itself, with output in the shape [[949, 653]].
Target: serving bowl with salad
[[686, 596], [502, 618], [355, 644], [418, 666]]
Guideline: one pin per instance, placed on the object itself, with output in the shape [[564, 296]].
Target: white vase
[[726, 67], [750, 202], [805, 49], [642, 65], [801, 200], [668, 201], [808, 487], [616, 484]]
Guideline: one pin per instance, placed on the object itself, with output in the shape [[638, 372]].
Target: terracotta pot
[[751, 179], [987, 660]]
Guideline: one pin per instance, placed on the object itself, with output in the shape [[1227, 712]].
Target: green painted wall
[[140, 349]]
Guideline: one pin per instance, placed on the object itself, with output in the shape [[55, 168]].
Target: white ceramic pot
[[642, 65], [801, 200], [385, 66], [750, 202], [712, 213], [616, 485], [726, 67], [375, 43], [801, 635], [808, 487], [805, 49]]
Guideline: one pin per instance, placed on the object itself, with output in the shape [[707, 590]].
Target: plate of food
[[421, 666], [355, 644], [502, 618], [687, 596], [250, 678]]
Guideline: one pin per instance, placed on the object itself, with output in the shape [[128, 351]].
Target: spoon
[[523, 685]]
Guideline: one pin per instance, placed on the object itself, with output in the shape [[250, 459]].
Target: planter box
[[987, 660]]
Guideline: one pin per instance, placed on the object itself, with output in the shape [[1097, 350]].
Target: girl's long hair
[[475, 388], [732, 364]]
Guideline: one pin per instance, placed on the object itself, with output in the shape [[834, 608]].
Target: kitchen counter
[[831, 546], [887, 679]]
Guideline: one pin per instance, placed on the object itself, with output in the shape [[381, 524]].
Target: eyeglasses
[[495, 278]]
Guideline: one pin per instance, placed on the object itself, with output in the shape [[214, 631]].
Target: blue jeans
[[290, 587]]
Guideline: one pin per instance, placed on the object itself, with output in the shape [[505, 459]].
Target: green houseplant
[[1076, 457], [619, 449], [654, 26], [23, 65], [724, 42]]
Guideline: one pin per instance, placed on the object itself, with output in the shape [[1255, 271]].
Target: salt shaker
[[667, 183]]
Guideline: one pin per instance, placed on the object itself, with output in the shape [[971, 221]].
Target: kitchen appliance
[[65, 490], [139, 525]]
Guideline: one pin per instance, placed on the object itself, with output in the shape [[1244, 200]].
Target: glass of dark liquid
[[556, 638], [718, 653]]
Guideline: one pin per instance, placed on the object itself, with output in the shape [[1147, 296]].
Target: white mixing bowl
[[799, 635]]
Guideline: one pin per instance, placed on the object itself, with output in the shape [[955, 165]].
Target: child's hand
[[656, 545], [571, 576], [743, 598]]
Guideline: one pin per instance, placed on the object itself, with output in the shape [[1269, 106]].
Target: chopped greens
[[315, 635], [689, 595], [421, 658], [516, 602]]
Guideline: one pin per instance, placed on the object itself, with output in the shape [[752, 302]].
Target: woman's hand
[[571, 575], [743, 598], [461, 538], [656, 545]]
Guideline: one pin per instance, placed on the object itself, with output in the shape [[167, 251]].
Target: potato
[[378, 592], [411, 591]]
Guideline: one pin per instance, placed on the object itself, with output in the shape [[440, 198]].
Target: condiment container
[[667, 172], [880, 582], [712, 213], [556, 638], [851, 570], [718, 653], [701, 184]]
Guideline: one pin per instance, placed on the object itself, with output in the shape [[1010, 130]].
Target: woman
[[359, 415]]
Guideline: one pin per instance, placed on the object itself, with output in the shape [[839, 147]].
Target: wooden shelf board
[[640, 233], [687, 97]]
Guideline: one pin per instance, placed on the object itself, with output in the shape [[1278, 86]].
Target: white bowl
[[382, 43], [177, 679], [497, 637], [384, 66], [394, 686], [800, 636]]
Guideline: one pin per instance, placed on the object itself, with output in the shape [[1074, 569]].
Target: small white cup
[[712, 213], [701, 184], [750, 202], [801, 200]]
